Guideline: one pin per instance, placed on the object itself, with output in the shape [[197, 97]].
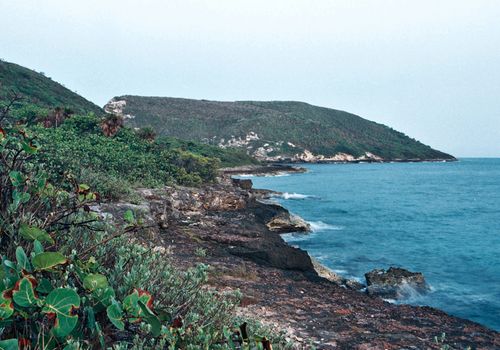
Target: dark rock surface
[[394, 282], [268, 169], [279, 283], [245, 184]]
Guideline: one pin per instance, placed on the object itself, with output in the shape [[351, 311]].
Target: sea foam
[[321, 226], [294, 195]]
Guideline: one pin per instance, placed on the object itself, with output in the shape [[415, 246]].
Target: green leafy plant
[[69, 280]]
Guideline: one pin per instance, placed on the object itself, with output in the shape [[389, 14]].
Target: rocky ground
[[226, 225], [264, 169]]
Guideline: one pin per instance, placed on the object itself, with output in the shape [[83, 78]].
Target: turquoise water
[[442, 219]]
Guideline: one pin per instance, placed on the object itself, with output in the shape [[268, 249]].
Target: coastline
[[289, 166], [271, 169], [358, 161], [224, 225]]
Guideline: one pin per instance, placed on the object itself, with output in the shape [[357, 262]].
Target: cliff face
[[225, 226], [275, 131]]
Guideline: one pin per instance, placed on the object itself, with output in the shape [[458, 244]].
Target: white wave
[[275, 175], [296, 237], [294, 195], [407, 294], [321, 226]]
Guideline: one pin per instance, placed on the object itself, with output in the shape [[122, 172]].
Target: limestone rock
[[288, 223], [394, 282]]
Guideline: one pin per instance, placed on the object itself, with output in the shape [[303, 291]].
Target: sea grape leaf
[[48, 260], [129, 216], [34, 233], [84, 193], [24, 291], [9, 344], [44, 287], [22, 260], [19, 197], [37, 247], [29, 148], [131, 303], [62, 303], [83, 188], [6, 305], [151, 319], [104, 296], [10, 274], [9, 264], [95, 281], [115, 315], [16, 178], [41, 182]]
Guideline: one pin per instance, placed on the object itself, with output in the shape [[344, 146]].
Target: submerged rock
[[394, 283]]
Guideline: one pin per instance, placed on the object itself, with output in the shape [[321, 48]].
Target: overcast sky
[[428, 68]]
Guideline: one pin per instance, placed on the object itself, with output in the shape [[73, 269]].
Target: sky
[[430, 69]]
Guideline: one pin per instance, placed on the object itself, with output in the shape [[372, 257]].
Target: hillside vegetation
[[38, 89], [275, 130], [73, 278]]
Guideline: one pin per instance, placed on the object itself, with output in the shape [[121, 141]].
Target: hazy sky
[[428, 68]]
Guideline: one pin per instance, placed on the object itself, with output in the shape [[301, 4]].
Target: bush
[[115, 164], [69, 280]]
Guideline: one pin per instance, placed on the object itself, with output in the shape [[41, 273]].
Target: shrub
[[124, 160], [147, 133], [69, 280]]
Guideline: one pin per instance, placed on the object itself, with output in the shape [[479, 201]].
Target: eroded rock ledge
[[280, 284]]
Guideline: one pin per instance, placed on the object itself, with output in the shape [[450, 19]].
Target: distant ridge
[[36, 88], [286, 131]]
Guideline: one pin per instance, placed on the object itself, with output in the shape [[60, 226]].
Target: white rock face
[[116, 107], [263, 150], [239, 142], [370, 156], [309, 157]]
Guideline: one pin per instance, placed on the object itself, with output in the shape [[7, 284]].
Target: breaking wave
[[294, 195], [321, 226]]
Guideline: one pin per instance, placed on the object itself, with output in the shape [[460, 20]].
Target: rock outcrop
[[394, 283], [288, 223], [279, 283], [330, 275], [225, 207]]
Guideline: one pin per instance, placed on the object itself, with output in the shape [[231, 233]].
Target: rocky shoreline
[[227, 226], [262, 170]]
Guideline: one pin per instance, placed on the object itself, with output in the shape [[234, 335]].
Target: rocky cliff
[[226, 225]]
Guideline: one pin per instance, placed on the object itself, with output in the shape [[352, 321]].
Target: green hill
[[274, 131], [37, 89]]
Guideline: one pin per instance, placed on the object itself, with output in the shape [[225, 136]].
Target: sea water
[[441, 219]]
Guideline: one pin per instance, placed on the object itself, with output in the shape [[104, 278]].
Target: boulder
[[335, 278], [288, 223], [245, 184], [394, 283]]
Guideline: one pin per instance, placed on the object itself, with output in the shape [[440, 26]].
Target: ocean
[[441, 219]]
